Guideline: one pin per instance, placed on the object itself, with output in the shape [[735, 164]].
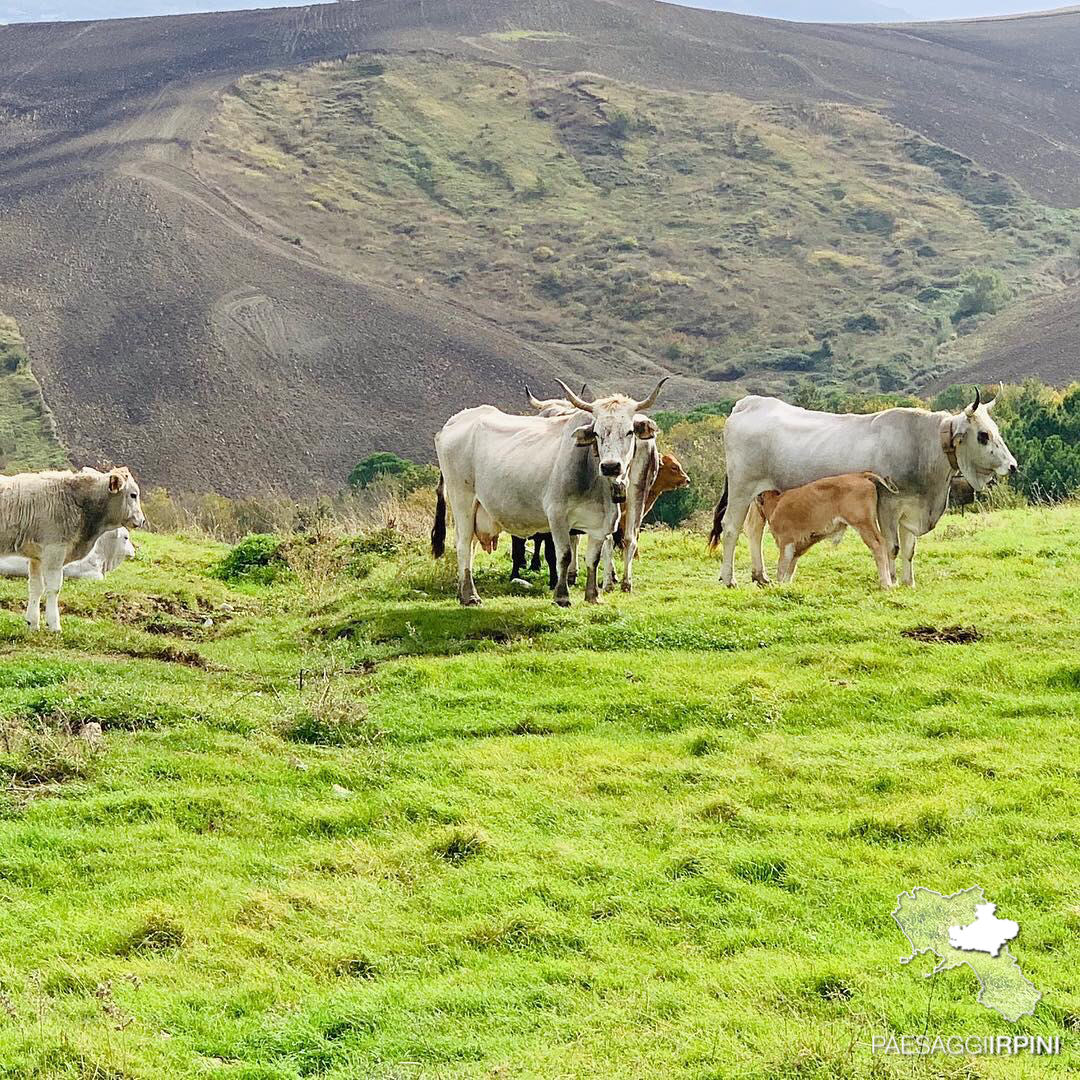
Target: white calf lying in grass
[[111, 549]]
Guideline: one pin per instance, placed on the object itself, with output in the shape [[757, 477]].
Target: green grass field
[[660, 837]]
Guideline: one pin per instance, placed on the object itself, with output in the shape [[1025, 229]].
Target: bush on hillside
[[399, 473], [984, 293], [258, 558]]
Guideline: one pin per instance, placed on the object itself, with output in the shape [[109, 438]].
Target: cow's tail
[[882, 482], [438, 530], [718, 518]]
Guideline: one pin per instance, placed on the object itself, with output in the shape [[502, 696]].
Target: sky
[[799, 10]]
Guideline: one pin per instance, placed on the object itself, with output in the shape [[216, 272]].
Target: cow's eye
[[984, 437], [133, 495]]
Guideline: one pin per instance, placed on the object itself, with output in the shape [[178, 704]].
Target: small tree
[[400, 472], [985, 292]]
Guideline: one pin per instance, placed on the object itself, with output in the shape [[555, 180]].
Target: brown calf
[[801, 517]]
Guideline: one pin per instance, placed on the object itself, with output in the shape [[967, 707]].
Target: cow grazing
[[111, 549], [773, 446], [529, 474], [54, 518], [801, 517]]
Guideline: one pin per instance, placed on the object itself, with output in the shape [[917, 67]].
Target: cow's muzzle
[[611, 468]]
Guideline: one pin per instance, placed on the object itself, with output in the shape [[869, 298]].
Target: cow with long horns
[[529, 474], [773, 446]]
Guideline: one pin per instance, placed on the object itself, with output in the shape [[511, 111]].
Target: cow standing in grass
[[54, 518], [529, 474], [771, 445]]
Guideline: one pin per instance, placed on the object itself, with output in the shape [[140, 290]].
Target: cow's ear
[[116, 482], [644, 428], [585, 436]]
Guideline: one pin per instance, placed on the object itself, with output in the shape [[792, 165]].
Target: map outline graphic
[[928, 918]]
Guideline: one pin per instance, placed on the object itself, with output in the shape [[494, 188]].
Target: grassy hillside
[[27, 433], [661, 837], [743, 243]]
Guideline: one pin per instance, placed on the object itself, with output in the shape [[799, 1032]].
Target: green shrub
[[257, 558], [674, 507], [984, 293], [400, 473]]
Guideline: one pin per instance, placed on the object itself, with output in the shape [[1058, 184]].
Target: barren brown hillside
[[173, 330]]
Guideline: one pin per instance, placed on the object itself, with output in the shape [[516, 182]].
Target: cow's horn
[[977, 402], [651, 399], [533, 401], [580, 403]]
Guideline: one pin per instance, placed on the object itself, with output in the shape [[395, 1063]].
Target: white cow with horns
[[54, 518], [530, 474], [771, 445]]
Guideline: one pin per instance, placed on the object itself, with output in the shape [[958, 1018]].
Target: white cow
[[54, 518], [771, 445], [529, 474], [643, 470], [111, 549]]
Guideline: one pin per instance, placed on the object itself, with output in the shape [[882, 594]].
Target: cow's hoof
[[470, 601], [627, 586], [562, 601], [593, 599], [762, 580]]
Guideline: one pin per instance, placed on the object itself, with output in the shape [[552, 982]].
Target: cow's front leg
[[755, 530], [907, 557], [629, 553], [560, 536], [592, 561], [572, 574], [52, 570], [33, 602], [608, 556]]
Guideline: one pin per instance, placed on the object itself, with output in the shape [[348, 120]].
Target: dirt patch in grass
[[943, 635], [178, 616]]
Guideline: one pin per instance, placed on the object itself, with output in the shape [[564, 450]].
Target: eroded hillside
[[741, 243], [185, 332]]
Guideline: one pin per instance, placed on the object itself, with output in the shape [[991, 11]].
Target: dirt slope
[[170, 330]]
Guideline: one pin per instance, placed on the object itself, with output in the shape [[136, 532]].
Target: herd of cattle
[[590, 468]]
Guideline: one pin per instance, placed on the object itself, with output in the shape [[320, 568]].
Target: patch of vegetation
[[258, 559], [397, 472], [541, 192], [28, 439]]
